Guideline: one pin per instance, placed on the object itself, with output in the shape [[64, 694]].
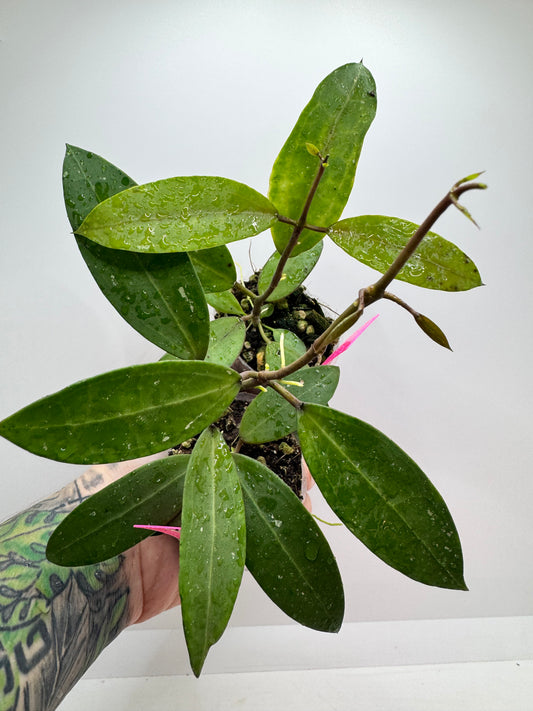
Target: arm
[[55, 621]]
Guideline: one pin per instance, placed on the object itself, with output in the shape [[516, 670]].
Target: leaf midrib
[[381, 496]]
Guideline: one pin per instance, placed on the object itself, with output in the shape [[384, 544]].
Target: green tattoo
[[54, 621]]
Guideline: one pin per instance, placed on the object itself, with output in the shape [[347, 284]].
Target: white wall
[[176, 88]]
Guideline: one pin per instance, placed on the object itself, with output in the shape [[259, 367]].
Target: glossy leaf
[[125, 413], [335, 121], [286, 344], [296, 271], [102, 526], [88, 179], [382, 496], [215, 268], [431, 329], [225, 303], [213, 544], [286, 551], [376, 241], [178, 215], [226, 338], [269, 416], [158, 295]]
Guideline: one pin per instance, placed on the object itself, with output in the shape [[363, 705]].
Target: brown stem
[[293, 241], [367, 296]]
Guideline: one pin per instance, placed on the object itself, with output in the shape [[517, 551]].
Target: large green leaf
[[178, 215], [226, 337], [335, 121], [382, 496], [269, 416], [158, 295], [125, 413], [286, 347], [286, 551], [376, 241], [213, 544], [296, 270], [215, 268], [102, 526]]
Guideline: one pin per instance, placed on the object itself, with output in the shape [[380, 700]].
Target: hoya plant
[[251, 378]]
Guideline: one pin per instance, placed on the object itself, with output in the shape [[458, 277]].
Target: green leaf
[[102, 526], [215, 268], [382, 496], [431, 329], [225, 303], [286, 551], [269, 416], [125, 413], [335, 121], [225, 340], [88, 179], [178, 215], [376, 241], [296, 271], [212, 546], [158, 295], [285, 343]]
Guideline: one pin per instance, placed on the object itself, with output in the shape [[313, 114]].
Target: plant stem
[[286, 394], [366, 296], [290, 221], [291, 244]]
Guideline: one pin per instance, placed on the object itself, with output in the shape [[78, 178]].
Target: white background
[[177, 88]]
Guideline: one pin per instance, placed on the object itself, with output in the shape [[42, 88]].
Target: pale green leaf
[[179, 215]]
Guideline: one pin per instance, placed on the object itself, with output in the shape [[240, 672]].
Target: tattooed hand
[[54, 621]]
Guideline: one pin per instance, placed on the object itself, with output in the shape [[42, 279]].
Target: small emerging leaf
[[124, 414], [432, 330], [269, 416], [296, 271], [286, 551], [335, 122], [213, 544], [376, 240], [178, 215], [102, 526], [382, 496], [226, 338]]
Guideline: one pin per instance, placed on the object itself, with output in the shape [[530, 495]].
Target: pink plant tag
[[174, 531], [348, 342]]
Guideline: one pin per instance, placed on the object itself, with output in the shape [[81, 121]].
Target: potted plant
[[236, 394]]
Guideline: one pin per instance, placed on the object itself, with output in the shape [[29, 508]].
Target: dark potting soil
[[305, 317]]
